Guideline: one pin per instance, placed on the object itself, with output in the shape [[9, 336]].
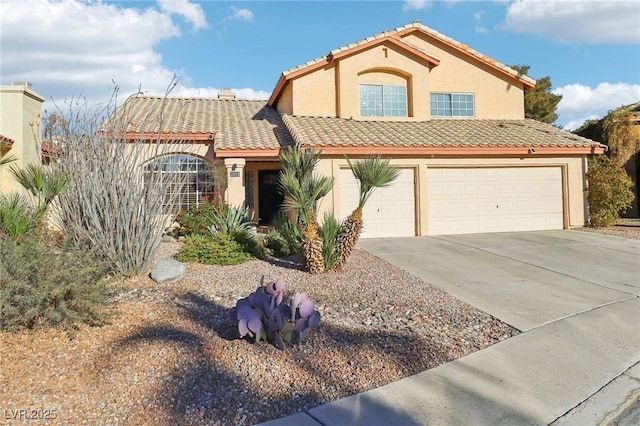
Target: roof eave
[[337, 55], [526, 83], [458, 151]]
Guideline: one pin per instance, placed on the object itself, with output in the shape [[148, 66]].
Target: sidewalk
[[531, 379]]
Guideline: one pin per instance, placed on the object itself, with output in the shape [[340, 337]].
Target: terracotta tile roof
[[6, 141], [50, 150], [339, 132], [396, 35], [234, 124]]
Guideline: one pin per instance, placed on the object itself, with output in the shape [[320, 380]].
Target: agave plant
[[228, 219], [371, 173], [263, 315]]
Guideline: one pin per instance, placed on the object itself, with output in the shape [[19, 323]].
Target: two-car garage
[[462, 200]]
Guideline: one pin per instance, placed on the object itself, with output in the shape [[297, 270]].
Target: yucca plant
[[371, 173], [42, 183], [302, 189], [329, 233]]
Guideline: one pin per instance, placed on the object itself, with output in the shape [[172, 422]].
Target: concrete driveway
[[575, 297], [526, 279]]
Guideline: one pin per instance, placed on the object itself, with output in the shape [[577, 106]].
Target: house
[[451, 119], [20, 131]]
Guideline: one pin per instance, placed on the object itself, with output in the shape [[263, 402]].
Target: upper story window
[[383, 101], [452, 105], [187, 180]]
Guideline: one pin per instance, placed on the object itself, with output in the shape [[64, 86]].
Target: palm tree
[[42, 183], [371, 173], [302, 189]]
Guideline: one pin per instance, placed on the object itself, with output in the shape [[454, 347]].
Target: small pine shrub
[[276, 244], [44, 285], [218, 249], [609, 191]]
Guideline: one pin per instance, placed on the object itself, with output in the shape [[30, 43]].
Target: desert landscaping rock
[[172, 356], [167, 271]]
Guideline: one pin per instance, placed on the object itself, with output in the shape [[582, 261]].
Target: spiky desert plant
[[371, 173], [42, 183], [329, 233], [302, 189], [116, 200]]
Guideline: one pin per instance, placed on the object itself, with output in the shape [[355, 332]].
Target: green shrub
[[609, 191], [16, 217], [251, 243], [276, 243], [289, 231], [195, 220], [43, 285], [218, 249], [329, 233]]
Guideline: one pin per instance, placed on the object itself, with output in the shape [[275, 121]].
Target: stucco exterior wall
[[573, 170], [20, 120], [496, 95], [334, 90], [315, 94]]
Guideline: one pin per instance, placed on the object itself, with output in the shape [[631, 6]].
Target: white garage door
[[470, 200], [390, 212]]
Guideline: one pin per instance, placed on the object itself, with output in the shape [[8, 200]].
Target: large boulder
[[167, 271]]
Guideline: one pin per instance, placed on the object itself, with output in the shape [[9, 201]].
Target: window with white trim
[[383, 101], [189, 180], [452, 105]]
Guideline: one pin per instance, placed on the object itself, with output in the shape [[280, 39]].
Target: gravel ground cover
[[171, 355]]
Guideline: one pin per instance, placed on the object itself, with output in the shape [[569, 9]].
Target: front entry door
[[269, 196]]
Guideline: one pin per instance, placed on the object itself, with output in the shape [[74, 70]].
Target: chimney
[[26, 84], [226, 93]]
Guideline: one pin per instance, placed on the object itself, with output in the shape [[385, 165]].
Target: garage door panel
[[389, 212], [469, 200]]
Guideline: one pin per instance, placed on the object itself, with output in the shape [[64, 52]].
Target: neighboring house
[[20, 128], [449, 117]]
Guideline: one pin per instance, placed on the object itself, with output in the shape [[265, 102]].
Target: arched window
[[189, 180]]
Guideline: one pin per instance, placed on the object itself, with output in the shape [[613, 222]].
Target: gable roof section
[[443, 136], [236, 126], [395, 37]]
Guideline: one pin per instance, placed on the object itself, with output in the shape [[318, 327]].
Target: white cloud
[[577, 21], [192, 12], [72, 48], [580, 102], [212, 92], [415, 5], [241, 14]]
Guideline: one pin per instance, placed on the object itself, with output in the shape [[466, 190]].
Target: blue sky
[[67, 48]]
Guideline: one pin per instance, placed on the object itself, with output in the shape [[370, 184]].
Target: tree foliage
[[617, 130], [539, 103], [609, 191]]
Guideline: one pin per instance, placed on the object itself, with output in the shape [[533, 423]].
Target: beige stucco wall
[[334, 90], [573, 170], [20, 120]]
